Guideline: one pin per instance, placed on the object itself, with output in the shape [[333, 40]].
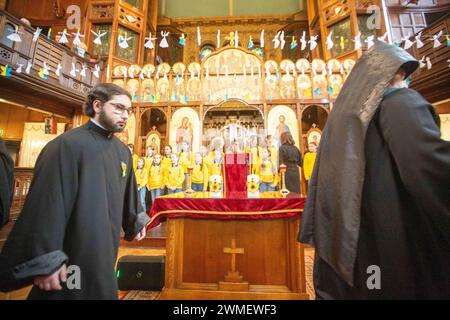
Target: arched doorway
[[232, 120], [153, 126], [313, 122]]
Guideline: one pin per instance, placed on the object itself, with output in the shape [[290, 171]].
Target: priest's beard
[[108, 123]]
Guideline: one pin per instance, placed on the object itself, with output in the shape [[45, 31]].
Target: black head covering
[[331, 219]]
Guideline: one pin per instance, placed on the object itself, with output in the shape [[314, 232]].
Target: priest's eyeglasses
[[121, 109]]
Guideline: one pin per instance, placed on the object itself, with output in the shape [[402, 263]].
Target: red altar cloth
[[235, 205], [235, 172]]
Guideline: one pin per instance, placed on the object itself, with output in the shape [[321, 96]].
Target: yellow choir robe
[[148, 162], [141, 177], [308, 164], [200, 175], [156, 177], [215, 168], [174, 177], [254, 158], [186, 160], [166, 162], [267, 171], [135, 161]]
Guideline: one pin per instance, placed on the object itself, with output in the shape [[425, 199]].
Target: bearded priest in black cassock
[[82, 194], [378, 208]]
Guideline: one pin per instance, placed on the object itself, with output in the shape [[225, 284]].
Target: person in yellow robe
[[309, 159], [253, 150], [148, 160], [141, 174], [156, 178], [200, 175], [166, 159], [267, 172], [217, 164], [174, 176], [186, 157], [207, 160], [273, 148]]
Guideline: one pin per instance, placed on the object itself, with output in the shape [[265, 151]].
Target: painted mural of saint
[[281, 128], [184, 133]]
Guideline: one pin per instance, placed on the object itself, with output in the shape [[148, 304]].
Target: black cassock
[[6, 183], [82, 194], [405, 210], [290, 156]]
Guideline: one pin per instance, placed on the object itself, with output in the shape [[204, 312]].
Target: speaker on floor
[[140, 273]]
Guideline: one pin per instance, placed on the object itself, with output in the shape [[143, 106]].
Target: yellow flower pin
[[124, 168]]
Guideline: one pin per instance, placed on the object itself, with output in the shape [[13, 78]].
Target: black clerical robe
[[6, 183], [83, 193], [405, 210], [290, 156]]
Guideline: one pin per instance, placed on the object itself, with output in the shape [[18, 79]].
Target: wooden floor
[[137, 251]]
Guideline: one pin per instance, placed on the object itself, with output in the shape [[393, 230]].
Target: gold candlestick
[[189, 190], [284, 192]]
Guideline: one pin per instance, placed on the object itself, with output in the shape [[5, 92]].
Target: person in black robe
[[378, 208], [83, 193], [7, 183], [289, 155]]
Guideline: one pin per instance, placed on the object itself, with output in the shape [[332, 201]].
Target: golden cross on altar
[[233, 251]]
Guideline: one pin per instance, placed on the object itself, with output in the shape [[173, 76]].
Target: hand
[[53, 281], [141, 235]]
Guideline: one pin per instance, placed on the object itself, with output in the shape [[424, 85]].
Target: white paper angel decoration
[[261, 39], [357, 41], [98, 37], [429, 64], [218, 39], [282, 41], [164, 43], [313, 42], [408, 43], [36, 34], [19, 69], [436, 42], [77, 39], [276, 40], [29, 66], [83, 71], [15, 37], [58, 70], [123, 41], [370, 42], [149, 42], [330, 43], [97, 71], [74, 70], [303, 41], [236, 39], [64, 35], [383, 38]]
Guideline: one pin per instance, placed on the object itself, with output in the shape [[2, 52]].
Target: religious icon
[[314, 135], [184, 133], [281, 127]]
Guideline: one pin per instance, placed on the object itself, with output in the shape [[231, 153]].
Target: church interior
[[204, 72]]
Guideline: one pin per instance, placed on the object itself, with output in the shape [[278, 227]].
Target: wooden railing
[[70, 87], [433, 84]]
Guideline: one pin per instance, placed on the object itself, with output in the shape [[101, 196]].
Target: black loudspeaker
[[140, 273]]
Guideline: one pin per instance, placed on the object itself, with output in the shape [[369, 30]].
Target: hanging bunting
[[429, 65], [58, 70], [261, 39], [199, 37], [97, 71], [303, 41], [98, 37], [408, 43], [182, 41], [357, 41], [74, 70], [44, 71], [36, 34], [250, 43], [282, 41], [164, 43], [436, 42], [29, 66], [370, 41], [15, 37], [64, 36], [77, 39], [19, 69], [83, 71], [293, 43], [49, 34], [5, 71], [218, 39], [313, 42], [123, 41], [149, 42], [276, 40], [330, 43], [419, 43]]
